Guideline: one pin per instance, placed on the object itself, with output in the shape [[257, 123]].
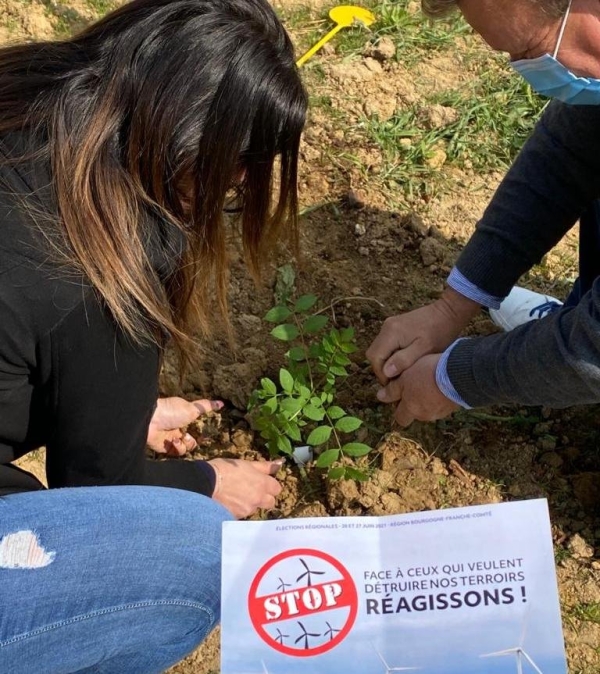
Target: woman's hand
[[245, 486], [172, 414]]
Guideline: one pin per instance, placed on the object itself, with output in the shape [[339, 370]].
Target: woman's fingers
[[245, 486], [205, 406]]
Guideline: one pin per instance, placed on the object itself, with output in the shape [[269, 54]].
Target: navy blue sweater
[[554, 361]]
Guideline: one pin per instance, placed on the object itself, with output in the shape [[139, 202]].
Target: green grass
[[495, 109], [587, 612], [561, 554], [495, 114], [411, 31]]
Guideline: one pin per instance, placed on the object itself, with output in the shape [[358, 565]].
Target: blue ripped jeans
[[106, 580]]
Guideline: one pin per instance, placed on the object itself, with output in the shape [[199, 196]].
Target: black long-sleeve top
[[70, 379]]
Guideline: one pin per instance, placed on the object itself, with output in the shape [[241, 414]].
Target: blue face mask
[[551, 78]]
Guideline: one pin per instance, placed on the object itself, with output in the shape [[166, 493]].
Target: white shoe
[[522, 306]]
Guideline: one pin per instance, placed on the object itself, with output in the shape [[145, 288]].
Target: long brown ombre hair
[[147, 119]]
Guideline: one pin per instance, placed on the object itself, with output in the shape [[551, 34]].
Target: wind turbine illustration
[[305, 635], [280, 636], [308, 573], [330, 632], [519, 652], [282, 585], [521, 656], [389, 669]]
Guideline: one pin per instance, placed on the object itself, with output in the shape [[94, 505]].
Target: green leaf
[[317, 402], [284, 445], [356, 449], [348, 424], [305, 302], [291, 405], [315, 351], [347, 335], [338, 371], [297, 354], [314, 323], [278, 314], [319, 436], [284, 284], [286, 380], [304, 391], [328, 457], [313, 413], [354, 474], [341, 359], [336, 473], [272, 447], [270, 406], [269, 386], [292, 431], [349, 348], [335, 412], [328, 345], [285, 332], [261, 424]]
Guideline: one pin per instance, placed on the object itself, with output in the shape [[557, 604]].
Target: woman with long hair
[[119, 152]]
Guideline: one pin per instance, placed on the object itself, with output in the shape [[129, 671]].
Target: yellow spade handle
[[313, 50]]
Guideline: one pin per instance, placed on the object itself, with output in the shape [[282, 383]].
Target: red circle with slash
[[299, 602]]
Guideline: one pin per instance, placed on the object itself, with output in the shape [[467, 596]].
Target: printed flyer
[[459, 591]]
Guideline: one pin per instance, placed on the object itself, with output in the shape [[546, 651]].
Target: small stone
[[391, 504], [373, 65], [431, 251], [438, 467], [383, 107], [356, 199], [405, 143], [515, 490], [586, 487], [542, 428], [579, 548], [438, 116], [414, 223], [572, 453], [385, 49], [437, 158], [364, 251], [360, 229], [315, 509], [551, 459], [242, 439], [547, 443], [342, 493], [436, 233]]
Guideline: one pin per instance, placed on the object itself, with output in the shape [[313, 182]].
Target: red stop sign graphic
[[303, 602]]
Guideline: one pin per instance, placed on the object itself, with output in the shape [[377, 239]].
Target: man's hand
[[170, 416], [417, 393], [245, 486], [431, 329]]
